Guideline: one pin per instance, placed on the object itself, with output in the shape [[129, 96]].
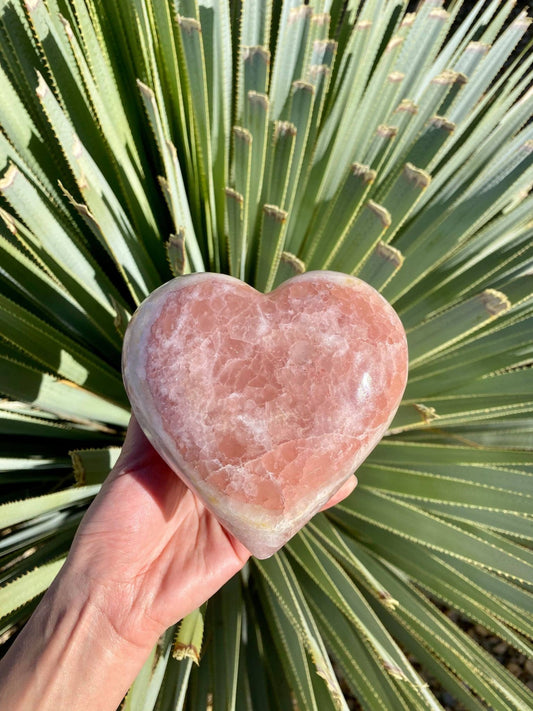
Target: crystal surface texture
[[265, 404]]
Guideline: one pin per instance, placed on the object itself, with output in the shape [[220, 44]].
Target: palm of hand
[[160, 552], [148, 549]]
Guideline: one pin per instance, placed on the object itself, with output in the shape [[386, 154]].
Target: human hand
[[149, 547], [146, 553]]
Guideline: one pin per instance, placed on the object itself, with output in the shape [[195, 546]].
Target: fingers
[[345, 490]]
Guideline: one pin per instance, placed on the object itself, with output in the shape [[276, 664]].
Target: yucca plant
[[143, 139]]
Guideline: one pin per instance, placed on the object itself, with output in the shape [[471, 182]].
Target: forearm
[[69, 656]]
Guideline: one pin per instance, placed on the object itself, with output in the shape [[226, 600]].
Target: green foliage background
[[143, 139]]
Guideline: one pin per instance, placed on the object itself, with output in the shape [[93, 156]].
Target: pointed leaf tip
[[494, 301], [387, 131], [387, 599], [321, 18], [145, 89], [448, 76], [426, 413], [255, 97], [390, 253], [249, 53], [300, 13], [284, 128], [242, 134], [189, 24], [395, 77], [393, 43], [441, 122], [522, 21], [275, 212], [8, 220], [234, 195], [299, 84], [316, 70], [417, 176], [407, 106], [382, 212], [291, 260], [42, 87], [9, 177], [439, 13], [364, 171], [477, 48], [188, 641], [66, 25]]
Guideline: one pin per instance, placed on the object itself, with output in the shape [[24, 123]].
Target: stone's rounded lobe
[[265, 404]]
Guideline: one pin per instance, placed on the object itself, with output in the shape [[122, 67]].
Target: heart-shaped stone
[[265, 404]]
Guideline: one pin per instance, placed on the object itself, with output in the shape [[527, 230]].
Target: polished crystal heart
[[265, 404]]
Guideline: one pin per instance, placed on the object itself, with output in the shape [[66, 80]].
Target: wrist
[[119, 608], [69, 644]]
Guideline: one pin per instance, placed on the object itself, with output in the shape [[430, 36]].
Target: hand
[[146, 554], [151, 544], [148, 547]]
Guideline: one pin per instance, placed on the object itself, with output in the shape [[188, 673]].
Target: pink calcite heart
[[265, 404]]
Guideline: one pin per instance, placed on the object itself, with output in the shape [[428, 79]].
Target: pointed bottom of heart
[[265, 404]]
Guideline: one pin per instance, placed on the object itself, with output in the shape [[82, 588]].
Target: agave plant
[[143, 139]]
